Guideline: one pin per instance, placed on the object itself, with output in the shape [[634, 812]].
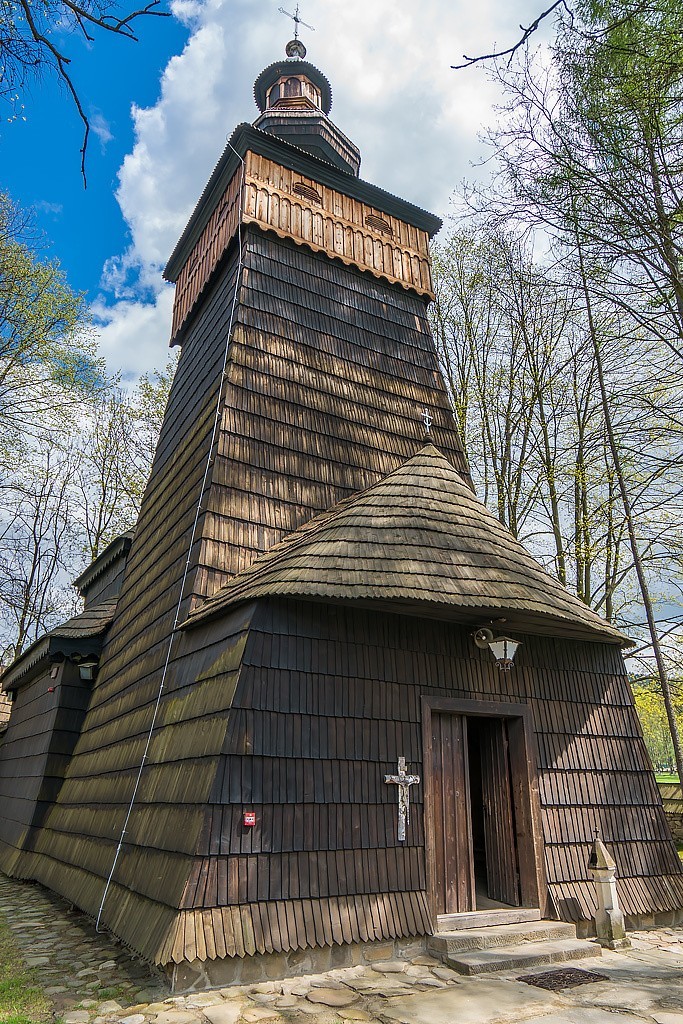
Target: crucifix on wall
[[404, 782]]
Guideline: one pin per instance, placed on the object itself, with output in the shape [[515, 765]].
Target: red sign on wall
[[249, 818]]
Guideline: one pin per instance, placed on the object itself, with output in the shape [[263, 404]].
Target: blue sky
[[164, 106], [82, 227]]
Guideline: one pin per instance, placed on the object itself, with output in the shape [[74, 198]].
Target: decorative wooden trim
[[533, 884], [342, 227], [278, 199], [246, 137], [207, 252]]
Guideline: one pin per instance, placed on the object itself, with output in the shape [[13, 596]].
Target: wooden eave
[[246, 137], [82, 634], [500, 618], [118, 548], [27, 665]]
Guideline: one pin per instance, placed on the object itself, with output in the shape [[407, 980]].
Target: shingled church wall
[[328, 698]]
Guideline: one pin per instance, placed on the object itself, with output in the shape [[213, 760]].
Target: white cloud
[[100, 127], [54, 209], [395, 96], [133, 335]]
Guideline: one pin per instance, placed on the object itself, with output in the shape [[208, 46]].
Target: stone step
[[506, 935], [525, 954], [486, 918]]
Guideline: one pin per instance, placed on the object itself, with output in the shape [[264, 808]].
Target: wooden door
[[499, 824], [450, 801]]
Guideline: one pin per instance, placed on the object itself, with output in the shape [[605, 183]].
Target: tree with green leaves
[[592, 143], [47, 354], [75, 449], [589, 148], [117, 440], [77, 487], [653, 719], [48, 370], [514, 339], [38, 538]]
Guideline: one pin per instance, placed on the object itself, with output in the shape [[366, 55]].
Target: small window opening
[[292, 87]]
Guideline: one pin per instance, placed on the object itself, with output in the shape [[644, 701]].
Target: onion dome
[[293, 83], [295, 99]]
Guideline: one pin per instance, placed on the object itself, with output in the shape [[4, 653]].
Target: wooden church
[[277, 734]]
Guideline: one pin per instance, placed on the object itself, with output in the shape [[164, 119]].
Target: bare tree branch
[[527, 31], [120, 26], [27, 44]]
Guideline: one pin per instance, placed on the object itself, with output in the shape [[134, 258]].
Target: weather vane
[[297, 20]]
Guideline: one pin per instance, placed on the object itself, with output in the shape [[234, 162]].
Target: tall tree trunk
[[628, 512], [670, 253]]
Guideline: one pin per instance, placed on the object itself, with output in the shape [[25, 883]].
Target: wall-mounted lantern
[[503, 648], [87, 668]]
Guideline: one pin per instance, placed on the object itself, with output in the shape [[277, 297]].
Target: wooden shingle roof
[[88, 623], [419, 538], [82, 633]]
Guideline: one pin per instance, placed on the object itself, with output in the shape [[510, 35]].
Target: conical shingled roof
[[418, 539]]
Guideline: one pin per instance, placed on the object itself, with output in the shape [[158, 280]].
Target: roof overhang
[[247, 138], [80, 637], [514, 620], [44, 652], [27, 666], [118, 548]]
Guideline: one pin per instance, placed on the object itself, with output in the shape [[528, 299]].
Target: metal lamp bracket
[[483, 638]]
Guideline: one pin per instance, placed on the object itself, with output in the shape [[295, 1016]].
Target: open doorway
[[494, 844], [483, 853]]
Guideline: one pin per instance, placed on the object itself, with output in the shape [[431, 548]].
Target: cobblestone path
[[92, 979], [73, 962]]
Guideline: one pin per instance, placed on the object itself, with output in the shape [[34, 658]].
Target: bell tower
[[330, 360], [306, 364], [295, 100]]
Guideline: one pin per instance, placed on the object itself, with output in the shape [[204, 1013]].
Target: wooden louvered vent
[[307, 192], [379, 224]]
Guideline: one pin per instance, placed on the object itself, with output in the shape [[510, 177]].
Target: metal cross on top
[[427, 420], [296, 19], [404, 782]]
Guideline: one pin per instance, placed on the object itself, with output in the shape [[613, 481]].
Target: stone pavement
[[71, 961], [94, 980]]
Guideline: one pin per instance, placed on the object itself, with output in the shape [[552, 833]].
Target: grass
[[666, 777], [21, 999]]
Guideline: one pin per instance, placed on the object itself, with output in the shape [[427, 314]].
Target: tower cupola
[[295, 99], [293, 84]]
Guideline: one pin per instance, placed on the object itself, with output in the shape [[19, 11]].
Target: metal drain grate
[[567, 977]]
